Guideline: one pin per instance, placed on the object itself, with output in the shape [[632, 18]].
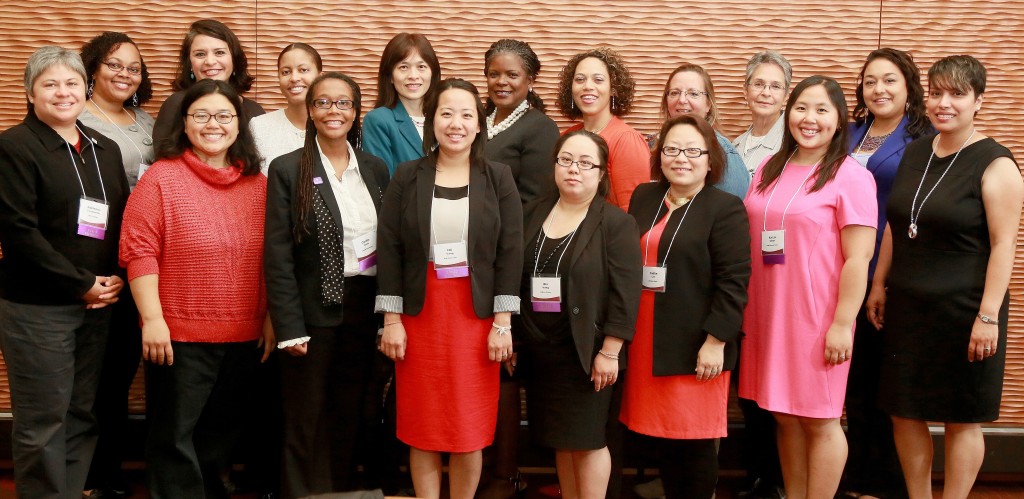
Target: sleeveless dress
[[447, 387], [935, 286], [676, 407]]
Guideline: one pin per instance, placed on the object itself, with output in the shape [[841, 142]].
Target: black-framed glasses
[[203, 117], [689, 152], [341, 104], [775, 88], [566, 162], [675, 93], [117, 67]]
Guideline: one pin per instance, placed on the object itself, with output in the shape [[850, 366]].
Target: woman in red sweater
[[193, 245]]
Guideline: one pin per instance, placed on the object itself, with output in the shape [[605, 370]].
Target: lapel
[[325, 190], [587, 229], [478, 193], [893, 145], [406, 127], [376, 193], [424, 199]]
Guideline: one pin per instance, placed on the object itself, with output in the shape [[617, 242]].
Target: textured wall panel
[[829, 38]]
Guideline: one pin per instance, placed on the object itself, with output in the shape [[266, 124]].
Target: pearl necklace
[[506, 123]]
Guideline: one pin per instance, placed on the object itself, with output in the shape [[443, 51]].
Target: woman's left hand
[[604, 372], [838, 344], [499, 346], [710, 359], [984, 341]]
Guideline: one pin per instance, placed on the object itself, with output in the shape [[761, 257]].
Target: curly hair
[[240, 77], [99, 48], [918, 123], [622, 83], [527, 57]]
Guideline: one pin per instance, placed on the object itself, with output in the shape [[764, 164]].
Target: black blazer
[[495, 245], [292, 270], [708, 273], [526, 147], [604, 275]]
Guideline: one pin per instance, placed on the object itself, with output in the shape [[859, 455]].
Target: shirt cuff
[[292, 342], [388, 304], [506, 303]]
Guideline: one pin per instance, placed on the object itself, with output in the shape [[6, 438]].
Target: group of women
[[440, 227]]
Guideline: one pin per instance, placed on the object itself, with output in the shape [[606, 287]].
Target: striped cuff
[[388, 304], [506, 303]]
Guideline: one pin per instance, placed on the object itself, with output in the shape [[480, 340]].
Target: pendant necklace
[[912, 230]]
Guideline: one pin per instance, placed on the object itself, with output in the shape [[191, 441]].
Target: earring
[[613, 103], [572, 104], [191, 75], [135, 99], [907, 107], [88, 91], [530, 90]]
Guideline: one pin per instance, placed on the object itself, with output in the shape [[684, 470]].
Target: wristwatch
[[988, 320]]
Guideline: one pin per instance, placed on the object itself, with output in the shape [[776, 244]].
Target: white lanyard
[[672, 241], [776, 186], [95, 159], [465, 227], [542, 237], [142, 157]]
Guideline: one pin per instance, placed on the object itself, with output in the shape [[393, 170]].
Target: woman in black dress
[[581, 277], [955, 205]]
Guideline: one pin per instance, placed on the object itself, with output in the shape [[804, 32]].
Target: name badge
[[546, 294], [366, 250], [654, 279], [92, 218], [142, 169], [773, 245], [450, 260]]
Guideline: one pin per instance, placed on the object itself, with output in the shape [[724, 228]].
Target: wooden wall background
[[654, 36]]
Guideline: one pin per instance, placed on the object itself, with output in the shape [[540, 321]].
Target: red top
[[629, 160], [201, 230]]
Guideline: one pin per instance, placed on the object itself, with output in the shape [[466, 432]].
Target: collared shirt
[[356, 207], [755, 149]]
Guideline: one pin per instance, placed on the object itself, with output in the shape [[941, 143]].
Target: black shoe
[[761, 489], [107, 493]]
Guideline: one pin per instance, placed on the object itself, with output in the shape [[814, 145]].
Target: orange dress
[[677, 407]]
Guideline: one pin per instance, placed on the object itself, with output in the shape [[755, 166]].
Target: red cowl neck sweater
[[201, 230]]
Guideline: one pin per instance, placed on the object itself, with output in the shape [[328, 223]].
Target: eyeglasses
[[342, 104], [776, 88], [675, 93], [117, 67], [689, 152], [203, 117], [566, 162]]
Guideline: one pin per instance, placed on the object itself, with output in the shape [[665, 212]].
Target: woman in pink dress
[[813, 216]]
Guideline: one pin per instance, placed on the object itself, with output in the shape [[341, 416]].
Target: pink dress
[[792, 304]]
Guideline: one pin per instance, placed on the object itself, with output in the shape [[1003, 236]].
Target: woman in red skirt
[[449, 248]]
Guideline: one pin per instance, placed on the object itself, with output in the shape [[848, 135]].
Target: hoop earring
[[135, 99], [88, 91]]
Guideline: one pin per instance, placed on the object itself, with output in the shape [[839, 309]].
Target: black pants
[[873, 467], [53, 356], [196, 409], [759, 446], [120, 364], [324, 394], [688, 468]]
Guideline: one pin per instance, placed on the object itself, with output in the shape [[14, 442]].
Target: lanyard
[[142, 157], [465, 227], [542, 237], [764, 223], [95, 160], [672, 241]]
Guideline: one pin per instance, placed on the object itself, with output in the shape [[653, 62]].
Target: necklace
[[912, 230], [869, 143], [509, 120]]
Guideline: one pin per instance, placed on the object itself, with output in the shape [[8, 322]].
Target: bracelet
[[502, 330], [386, 324], [610, 356]]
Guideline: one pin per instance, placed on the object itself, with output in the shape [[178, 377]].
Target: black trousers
[[120, 364], [324, 394], [873, 466], [688, 468], [53, 356], [759, 446], [196, 409]]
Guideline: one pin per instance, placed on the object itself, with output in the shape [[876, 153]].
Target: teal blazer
[[391, 135]]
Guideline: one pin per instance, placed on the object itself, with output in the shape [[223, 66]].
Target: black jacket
[[45, 261], [495, 233], [604, 275], [292, 270], [708, 273]]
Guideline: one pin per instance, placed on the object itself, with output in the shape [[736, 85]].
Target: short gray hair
[[48, 56], [769, 57]]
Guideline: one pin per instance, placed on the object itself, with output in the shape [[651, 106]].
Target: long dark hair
[[240, 77], [836, 152], [917, 120], [96, 50], [476, 152], [303, 200], [243, 151], [527, 57], [716, 156], [397, 49]]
